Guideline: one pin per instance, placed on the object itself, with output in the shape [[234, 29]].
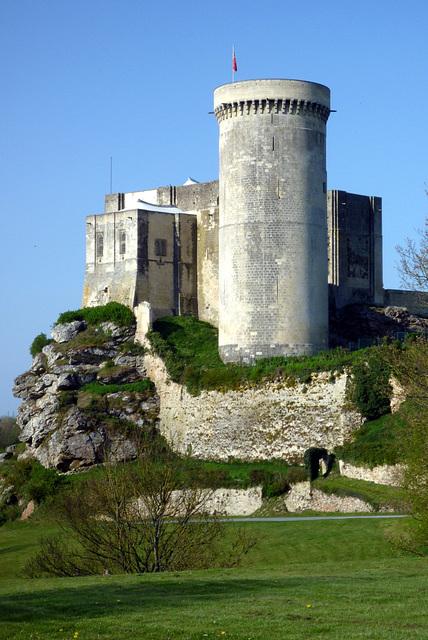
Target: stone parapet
[[289, 106]]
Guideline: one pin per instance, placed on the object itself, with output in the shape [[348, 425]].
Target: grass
[[103, 389], [378, 442], [189, 349], [377, 495], [375, 442], [237, 473], [328, 579]]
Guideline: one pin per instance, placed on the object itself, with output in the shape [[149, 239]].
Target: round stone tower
[[273, 219]]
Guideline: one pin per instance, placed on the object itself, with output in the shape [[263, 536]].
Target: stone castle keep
[[263, 252]]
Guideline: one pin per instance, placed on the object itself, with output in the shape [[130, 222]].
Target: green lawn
[[328, 579]]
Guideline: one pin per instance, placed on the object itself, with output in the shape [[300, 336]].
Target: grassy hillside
[[189, 348], [328, 579]]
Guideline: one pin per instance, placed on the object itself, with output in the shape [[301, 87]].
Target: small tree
[[138, 519], [372, 390], [413, 266], [38, 343], [409, 364]]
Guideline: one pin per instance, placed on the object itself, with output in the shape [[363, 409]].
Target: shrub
[[66, 399], [111, 312], [133, 348], [259, 476], [276, 486], [96, 388], [17, 472], [375, 443], [42, 483], [273, 483], [297, 474], [9, 432], [161, 531], [38, 343], [372, 390]]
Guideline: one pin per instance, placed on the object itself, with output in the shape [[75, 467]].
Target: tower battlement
[[261, 97]]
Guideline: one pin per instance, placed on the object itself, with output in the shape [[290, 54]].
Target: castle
[[264, 252]]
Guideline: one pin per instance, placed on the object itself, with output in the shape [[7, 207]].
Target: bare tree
[[135, 519], [413, 265]]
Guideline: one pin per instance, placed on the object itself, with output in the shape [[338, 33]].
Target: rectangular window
[[100, 245], [160, 247], [122, 242]]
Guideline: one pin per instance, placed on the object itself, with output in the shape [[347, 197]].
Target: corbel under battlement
[[290, 106]]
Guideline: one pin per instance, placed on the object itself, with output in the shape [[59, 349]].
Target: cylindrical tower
[[273, 220]]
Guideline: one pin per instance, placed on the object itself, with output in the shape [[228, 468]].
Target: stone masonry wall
[[383, 474], [303, 498], [269, 421], [273, 292]]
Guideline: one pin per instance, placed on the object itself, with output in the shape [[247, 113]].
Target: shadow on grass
[[63, 602]]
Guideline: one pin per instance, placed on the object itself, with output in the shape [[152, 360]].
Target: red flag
[[234, 65]]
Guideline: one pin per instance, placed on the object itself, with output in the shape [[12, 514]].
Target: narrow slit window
[[100, 245], [122, 242]]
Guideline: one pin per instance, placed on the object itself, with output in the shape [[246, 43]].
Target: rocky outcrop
[[65, 426], [363, 323]]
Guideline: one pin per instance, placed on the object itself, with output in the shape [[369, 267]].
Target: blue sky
[[86, 80]]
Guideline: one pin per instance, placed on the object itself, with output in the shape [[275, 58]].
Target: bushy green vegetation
[[111, 312], [38, 343], [29, 481], [189, 349], [375, 443], [372, 389], [274, 476], [9, 432], [102, 389]]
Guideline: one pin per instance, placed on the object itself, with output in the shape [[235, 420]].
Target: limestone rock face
[[65, 426], [66, 332]]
